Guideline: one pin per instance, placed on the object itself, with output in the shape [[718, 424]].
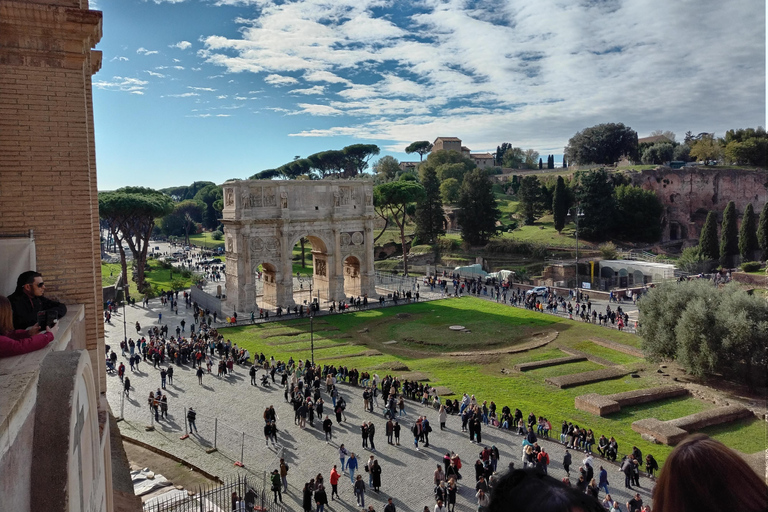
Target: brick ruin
[[690, 193]]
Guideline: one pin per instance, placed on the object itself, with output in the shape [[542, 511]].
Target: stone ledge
[[523, 367], [662, 431], [716, 416], [578, 379], [19, 375], [603, 405], [673, 431]]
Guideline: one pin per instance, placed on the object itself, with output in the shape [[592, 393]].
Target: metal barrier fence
[[222, 498]]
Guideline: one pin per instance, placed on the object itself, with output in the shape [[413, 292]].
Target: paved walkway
[[233, 409]]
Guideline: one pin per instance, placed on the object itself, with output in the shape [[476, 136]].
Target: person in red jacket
[[334, 482], [20, 341]]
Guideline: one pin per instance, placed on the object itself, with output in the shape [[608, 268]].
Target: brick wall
[[47, 154]]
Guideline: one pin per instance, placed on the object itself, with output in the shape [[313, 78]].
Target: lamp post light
[[311, 325], [577, 214]]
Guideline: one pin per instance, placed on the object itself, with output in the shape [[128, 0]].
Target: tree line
[[608, 143]]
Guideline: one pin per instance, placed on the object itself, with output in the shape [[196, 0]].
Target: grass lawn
[[110, 271], [356, 340], [611, 355], [164, 278], [205, 239]]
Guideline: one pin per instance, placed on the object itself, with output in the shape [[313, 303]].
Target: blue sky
[[210, 90]]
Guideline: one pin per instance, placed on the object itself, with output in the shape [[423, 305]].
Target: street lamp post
[[576, 215], [311, 325]]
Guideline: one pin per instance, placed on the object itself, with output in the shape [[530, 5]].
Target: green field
[[163, 279], [206, 240], [480, 363]]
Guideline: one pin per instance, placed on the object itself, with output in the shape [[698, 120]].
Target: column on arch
[[284, 279], [367, 270], [335, 267]]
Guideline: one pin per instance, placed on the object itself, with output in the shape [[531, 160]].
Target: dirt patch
[[366, 353], [395, 366], [403, 316], [298, 333], [443, 391], [414, 376], [140, 458]]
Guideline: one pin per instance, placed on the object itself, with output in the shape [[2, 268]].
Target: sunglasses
[[40, 285]]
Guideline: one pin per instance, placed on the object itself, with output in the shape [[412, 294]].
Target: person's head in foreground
[[704, 475], [529, 490]]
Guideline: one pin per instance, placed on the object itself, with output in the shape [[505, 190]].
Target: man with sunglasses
[[28, 301]]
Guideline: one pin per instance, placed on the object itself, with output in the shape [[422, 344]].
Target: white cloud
[[122, 84], [531, 73], [155, 74], [280, 80], [178, 67], [317, 110], [241, 98], [315, 89], [210, 115], [118, 58], [181, 45], [144, 51], [197, 69], [182, 95], [221, 97], [325, 76], [207, 89]]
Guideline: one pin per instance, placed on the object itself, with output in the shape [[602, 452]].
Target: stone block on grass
[[533, 365], [579, 379], [603, 405]]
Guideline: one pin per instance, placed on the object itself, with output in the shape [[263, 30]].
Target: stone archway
[[263, 220]]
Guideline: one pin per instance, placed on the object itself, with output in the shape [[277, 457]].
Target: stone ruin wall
[[689, 194]]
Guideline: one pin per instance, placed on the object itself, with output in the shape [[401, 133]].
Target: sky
[[194, 90]]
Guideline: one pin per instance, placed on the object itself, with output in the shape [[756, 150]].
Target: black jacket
[[25, 309]]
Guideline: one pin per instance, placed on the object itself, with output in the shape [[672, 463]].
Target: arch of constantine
[[263, 221]]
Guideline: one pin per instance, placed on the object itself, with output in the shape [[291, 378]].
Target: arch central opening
[[309, 271]]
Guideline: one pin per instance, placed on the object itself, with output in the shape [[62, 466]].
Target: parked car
[[537, 291]]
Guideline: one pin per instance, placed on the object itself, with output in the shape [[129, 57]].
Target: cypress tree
[[541, 163], [551, 161], [748, 234], [708, 239], [729, 236], [762, 232], [430, 217], [560, 204], [565, 163]]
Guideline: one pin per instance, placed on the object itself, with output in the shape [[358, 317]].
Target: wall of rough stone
[[690, 193]]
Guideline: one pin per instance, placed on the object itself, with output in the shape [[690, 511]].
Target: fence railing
[[221, 498]]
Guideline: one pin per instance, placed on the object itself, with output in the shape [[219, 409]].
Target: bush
[[448, 244], [751, 266], [694, 262], [217, 235], [608, 251]]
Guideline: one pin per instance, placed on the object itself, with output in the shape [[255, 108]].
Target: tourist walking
[[359, 488]]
